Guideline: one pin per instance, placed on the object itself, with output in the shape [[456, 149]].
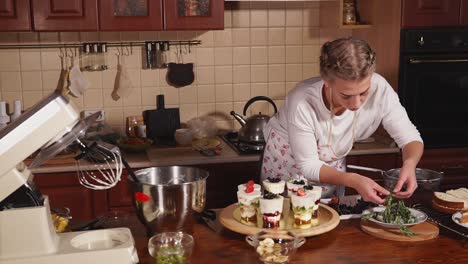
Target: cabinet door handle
[[455, 167]]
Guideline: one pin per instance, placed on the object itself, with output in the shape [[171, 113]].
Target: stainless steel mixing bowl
[[428, 180], [172, 196]]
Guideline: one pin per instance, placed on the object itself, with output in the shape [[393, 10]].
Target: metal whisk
[[107, 162]]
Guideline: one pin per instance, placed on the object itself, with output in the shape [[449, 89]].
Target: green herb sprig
[[395, 213]]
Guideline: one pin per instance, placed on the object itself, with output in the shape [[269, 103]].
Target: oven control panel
[[437, 40]]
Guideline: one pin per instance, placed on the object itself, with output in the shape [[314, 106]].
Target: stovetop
[[242, 148]]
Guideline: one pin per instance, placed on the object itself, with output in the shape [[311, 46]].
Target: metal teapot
[[252, 128]]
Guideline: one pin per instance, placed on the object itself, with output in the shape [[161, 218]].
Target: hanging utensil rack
[[79, 45]]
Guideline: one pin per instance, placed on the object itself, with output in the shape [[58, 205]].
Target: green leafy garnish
[[170, 255], [395, 213]]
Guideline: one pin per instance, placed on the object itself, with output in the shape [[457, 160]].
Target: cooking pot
[[428, 180], [169, 198], [252, 128]]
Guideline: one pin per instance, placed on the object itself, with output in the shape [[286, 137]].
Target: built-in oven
[[433, 84]]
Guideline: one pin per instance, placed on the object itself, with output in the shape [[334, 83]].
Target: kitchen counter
[[187, 156], [347, 243]]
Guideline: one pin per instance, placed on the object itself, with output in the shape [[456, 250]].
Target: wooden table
[[345, 244]]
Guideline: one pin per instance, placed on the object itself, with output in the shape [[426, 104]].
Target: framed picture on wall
[[121, 15], [131, 8], [193, 14], [193, 7]]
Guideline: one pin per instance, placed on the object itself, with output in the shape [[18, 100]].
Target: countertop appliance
[[241, 147], [27, 232], [433, 84]]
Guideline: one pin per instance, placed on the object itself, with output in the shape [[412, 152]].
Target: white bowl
[[420, 217], [183, 136]]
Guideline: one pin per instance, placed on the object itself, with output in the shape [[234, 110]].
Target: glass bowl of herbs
[[171, 247]]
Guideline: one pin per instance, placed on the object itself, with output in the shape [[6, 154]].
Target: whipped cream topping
[[241, 187], [274, 187], [307, 201], [271, 206]]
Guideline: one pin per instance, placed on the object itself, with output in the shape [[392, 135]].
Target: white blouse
[[304, 122]]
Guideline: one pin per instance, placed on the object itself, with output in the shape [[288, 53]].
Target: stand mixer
[[27, 232]]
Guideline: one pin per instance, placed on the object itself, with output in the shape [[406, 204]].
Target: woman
[[322, 118]]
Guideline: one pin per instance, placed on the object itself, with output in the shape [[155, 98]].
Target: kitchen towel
[[122, 86]]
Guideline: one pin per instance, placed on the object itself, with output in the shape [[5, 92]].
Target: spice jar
[[349, 13]]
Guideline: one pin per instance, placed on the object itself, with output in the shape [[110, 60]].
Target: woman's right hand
[[369, 190]]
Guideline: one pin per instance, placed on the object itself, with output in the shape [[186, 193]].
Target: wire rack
[[443, 220]]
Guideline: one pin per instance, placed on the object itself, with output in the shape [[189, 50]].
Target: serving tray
[[328, 220]]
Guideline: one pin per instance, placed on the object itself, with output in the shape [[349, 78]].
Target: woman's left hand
[[407, 178]]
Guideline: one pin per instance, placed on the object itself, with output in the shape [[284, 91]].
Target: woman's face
[[349, 94]]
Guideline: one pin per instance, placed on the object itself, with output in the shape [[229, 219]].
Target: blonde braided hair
[[347, 59]]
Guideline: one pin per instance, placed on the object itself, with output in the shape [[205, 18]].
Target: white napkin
[[78, 82], [122, 86]]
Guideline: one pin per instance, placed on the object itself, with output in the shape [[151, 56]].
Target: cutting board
[[161, 123], [423, 231]]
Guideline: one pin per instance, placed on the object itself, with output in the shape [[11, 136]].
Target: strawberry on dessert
[[274, 185], [248, 204], [271, 208], [293, 184], [242, 187]]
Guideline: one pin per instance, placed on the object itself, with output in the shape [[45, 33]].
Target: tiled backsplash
[[265, 49]]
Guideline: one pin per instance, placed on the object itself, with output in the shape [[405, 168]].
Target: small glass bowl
[[171, 247], [275, 247]]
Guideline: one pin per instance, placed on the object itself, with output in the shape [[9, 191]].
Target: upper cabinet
[[130, 15], [434, 13], [111, 15], [69, 15], [189, 14], [14, 15], [464, 13]]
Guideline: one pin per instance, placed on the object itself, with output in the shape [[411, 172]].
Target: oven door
[[434, 91]]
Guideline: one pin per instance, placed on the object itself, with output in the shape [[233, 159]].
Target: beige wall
[[265, 49]]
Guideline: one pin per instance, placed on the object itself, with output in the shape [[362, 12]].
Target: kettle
[[252, 128]]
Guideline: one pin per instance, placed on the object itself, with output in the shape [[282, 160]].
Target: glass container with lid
[[349, 13]]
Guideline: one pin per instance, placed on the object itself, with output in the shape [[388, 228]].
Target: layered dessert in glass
[[303, 206], [271, 208], [248, 204], [316, 191]]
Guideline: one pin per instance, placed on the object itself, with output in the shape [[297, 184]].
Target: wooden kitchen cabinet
[[109, 15], [159, 15], [121, 194], [64, 190], [14, 15], [432, 13], [123, 15], [180, 17], [70, 15], [452, 162], [464, 13]]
